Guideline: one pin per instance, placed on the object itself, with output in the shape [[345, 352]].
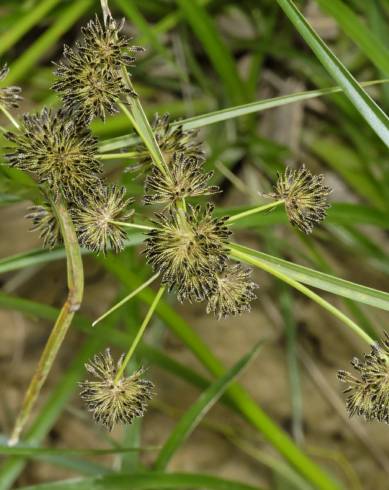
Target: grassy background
[[204, 56]]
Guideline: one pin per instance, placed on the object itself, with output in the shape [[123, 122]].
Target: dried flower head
[[187, 249], [305, 197], [58, 151], [9, 96], [114, 402], [106, 43], [98, 216], [45, 222], [171, 140], [185, 179], [368, 393], [233, 293]]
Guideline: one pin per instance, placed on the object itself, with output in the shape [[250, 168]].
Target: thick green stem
[[75, 281], [303, 289], [140, 333], [258, 209]]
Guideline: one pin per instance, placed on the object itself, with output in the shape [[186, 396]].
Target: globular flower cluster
[[45, 222], [90, 77], [9, 96], [98, 219], [368, 391], [114, 401], [58, 150], [185, 179], [305, 195]]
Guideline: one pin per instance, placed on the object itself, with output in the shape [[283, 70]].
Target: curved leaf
[[370, 111]]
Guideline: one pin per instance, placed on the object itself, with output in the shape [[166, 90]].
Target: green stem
[[303, 289], [132, 225], [140, 333], [9, 117], [258, 209], [112, 156], [127, 298], [75, 281]]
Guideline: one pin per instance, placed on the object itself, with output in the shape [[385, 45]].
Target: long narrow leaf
[[369, 110], [200, 408], [326, 282], [234, 112], [146, 481], [376, 51]]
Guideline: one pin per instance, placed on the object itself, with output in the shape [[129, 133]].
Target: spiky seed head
[[9, 96], [89, 77], [88, 89], [233, 293], [45, 222], [171, 140], [368, 391], [107, 44], [187, 249], [114, 402], [94, 217], [58, 151], [306, 197], [185, 179]]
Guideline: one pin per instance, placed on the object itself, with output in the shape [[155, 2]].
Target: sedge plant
[[189, 248]]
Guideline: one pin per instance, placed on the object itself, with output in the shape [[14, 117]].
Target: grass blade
[[233, 112], [358, 32], [146, 481], [369, 110], [200, 408], [320, 280]]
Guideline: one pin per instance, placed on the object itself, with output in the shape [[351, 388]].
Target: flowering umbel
[[114, 401], [188, 249], [184, 179], [45, 222], [58, 151], [233, 293], [368, 391], [305, 195], [9, 96], [90, 77], [97, 219]]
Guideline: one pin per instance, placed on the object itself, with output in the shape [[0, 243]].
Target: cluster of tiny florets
[[9, 96], [97, 219], [46, 224], [58, 150], [185, 179], [305, 195], [233, 293], [188, 249], [113, 401], [90, 77], [172, 139], [368, 391]]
